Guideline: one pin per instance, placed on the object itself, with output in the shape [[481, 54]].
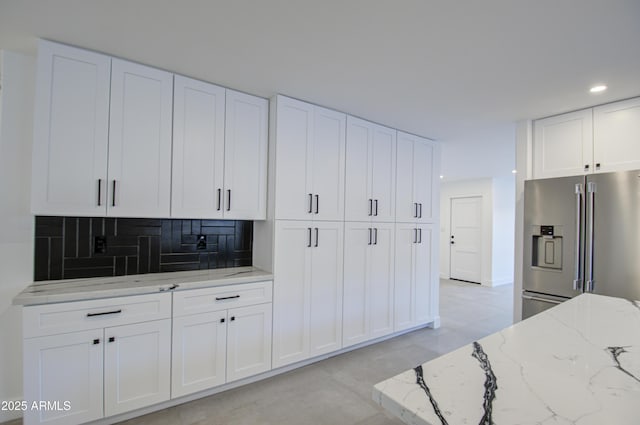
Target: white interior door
[[465, 238]]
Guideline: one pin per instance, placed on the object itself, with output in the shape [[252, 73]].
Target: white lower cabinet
[[228, 339], [307, 290], [368, 281], [109, 360], [414, 274]]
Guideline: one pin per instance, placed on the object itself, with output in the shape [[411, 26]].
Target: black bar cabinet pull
[[420, 233], [370, 206], [112, 338], [420, 215], [228, 199], [310, 203], [369, 236], [227, 298], [376, 202], [375, 236], [96, 341], [113, 201], [219, 198], [99, 192], [104, 313], [232, 318], [316, 245], [309, 241], [222, 320], [415, 212], [415, 235], [317, 203]]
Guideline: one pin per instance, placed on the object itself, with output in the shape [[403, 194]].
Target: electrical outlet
[[201, 242], [100, 245]]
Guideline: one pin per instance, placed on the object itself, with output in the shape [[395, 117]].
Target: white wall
[[498, 220], [16, 221], [504, 214]]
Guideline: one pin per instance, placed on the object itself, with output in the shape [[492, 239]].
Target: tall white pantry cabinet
[[331, 238]]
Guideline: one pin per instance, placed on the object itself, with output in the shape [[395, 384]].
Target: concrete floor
[[338, 390]]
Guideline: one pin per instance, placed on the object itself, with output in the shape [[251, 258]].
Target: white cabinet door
[[616, 136], [71, 127], [416, 176], [357, 241], [291, 301], [137, 364], [358, 199], [248, 341], [327, 164], [198, 149], [370, 177], [425, 275], [294, 135], [404, 288], [325, 323], [139, 141], [245, 169], [66, 367], [563, 145], [380, 281], [383, 173], [199, 352]]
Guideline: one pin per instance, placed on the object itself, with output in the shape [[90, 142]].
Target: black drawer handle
[[227, 298], [104, 313]]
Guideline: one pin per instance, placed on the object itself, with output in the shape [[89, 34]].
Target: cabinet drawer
[[60, 318], [220, 298]]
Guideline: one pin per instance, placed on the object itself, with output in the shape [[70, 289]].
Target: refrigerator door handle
[[578, 282], [591, 189]]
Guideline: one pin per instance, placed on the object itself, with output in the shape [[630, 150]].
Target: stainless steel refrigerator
[[581, 234]]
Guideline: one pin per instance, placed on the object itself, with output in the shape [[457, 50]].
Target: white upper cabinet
[[370, 179], [71, 131], [139, 141], [616, 136], [219, 152], [563, 145], [417, 175], [198, 149], [310, 155], [595, 140], [245, 157]]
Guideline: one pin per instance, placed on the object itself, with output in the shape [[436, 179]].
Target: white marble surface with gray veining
[[577, 363], [55, 291]]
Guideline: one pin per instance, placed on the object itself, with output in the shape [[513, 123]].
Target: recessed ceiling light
[[514, 171], [441, 176], [598, 89]]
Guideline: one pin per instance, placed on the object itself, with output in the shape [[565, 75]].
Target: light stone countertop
[[56, 291], [577, 363]]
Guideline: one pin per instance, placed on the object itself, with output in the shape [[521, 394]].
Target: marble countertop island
[[56, 291], [577, 363]]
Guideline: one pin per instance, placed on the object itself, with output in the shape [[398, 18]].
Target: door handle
[[309, 237], [369, 236], [453, 243], [316, 245], [376, 203], [310, 203], [578, 283], [228, 199], [104, 313], [317, 203], [420, 237], [113, 200], [370, 207], [375, 236], [420, 215], [415, 213], [415, 235], [219, 199], [591, 188], [544, 300]]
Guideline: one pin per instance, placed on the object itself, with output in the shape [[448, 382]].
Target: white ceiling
[[456, 71]]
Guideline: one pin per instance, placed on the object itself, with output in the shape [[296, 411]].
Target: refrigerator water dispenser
[[547, 247]]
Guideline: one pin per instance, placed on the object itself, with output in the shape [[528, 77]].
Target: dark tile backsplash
[[65, 246]]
